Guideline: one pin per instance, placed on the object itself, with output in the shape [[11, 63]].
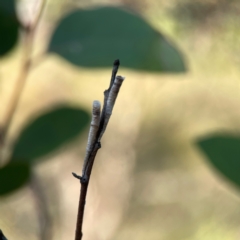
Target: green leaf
[[8, 26], [48, 132], [2, 237], [13, 176], [96, 37], [224, 153]]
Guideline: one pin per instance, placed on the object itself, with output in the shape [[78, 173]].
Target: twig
[[97, 129], [92, 137], [29, 32]]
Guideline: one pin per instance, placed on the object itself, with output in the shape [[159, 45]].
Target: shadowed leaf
[[48, 132], [224, 153], [13, 176], [93, 38], [8, 26], [2, 237]]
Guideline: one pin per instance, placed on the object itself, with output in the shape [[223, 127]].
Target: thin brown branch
[[83, 193], [110, 96]]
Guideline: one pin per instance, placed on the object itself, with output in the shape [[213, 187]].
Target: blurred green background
[[149, 180]]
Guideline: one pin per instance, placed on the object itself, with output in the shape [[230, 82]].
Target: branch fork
[[98, 126]]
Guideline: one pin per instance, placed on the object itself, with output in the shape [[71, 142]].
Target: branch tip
[[121, 78], [96, 110], [116, 62]]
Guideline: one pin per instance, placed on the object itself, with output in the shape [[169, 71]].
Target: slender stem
[[110, 96], [29, 32], [83, 194], [92, 136]]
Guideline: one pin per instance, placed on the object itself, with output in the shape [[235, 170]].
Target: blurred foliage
[[2, 237], [224, 153], [169, 185], [218, 20], [48, 132], [41, 136], [204, 13], [13, 176], [8, 26], [93, 38]]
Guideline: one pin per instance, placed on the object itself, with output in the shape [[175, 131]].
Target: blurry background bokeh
[[149, 180]]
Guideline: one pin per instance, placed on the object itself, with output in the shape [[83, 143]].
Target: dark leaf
[[48, 132], [8, 26], [2, 237], [13, 176], [94, 38], [224, 153]]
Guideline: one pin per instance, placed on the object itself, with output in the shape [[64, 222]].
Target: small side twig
[[98, 126]]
